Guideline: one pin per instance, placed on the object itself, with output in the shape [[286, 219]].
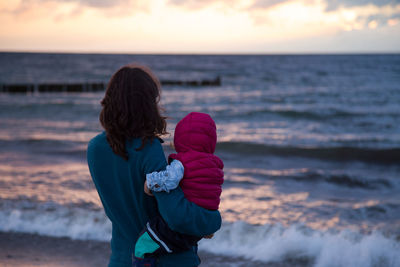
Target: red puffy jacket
[[195, 140]]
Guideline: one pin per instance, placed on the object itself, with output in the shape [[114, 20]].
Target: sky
[[200, 26]]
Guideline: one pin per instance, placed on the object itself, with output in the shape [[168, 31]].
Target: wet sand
[[33, 250]]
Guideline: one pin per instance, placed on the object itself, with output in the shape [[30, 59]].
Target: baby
[[195, 140]]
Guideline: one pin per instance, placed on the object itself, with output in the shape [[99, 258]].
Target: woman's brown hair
[[130, 108]]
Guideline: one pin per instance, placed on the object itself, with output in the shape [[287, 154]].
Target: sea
[[310, 143]]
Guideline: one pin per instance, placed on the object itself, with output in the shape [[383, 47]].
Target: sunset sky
[[200, 26]]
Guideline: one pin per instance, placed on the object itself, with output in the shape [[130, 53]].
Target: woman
[[119, 159]]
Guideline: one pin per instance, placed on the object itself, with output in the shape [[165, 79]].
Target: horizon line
[[83, 52]]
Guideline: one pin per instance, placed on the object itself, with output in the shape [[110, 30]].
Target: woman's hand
[[147, 190]]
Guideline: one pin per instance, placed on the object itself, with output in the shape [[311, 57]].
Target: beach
[[18, 249], [310, 145]]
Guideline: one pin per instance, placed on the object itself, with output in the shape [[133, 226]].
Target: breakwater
[[92, 87]]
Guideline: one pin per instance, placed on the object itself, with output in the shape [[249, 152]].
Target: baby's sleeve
[[166, 180]]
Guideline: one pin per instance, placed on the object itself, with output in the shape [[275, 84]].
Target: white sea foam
[[59, 221], [265, 243], [275, 243]]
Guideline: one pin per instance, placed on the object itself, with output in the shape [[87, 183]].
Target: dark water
[[311, 146]]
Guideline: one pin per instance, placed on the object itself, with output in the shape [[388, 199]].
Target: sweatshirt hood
[[196, 131]]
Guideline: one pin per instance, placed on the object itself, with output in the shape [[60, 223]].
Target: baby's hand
[[209, 236], [147, 190]]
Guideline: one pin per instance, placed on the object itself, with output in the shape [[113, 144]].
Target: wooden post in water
[[91, 87]]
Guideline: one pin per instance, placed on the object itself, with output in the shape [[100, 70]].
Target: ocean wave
[[354, 182], [275, 243], [298, 114], [262, 243], [55, 141], [43, 145], [342, 180], [307, 175], [68, 147], [374, 155], [52, 219]]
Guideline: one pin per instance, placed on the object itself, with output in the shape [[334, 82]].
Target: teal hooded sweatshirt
[[120, 187]]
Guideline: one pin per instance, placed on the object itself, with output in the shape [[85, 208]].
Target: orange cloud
[[71, 8]]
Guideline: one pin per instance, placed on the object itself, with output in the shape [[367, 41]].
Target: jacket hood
[[196, 131]]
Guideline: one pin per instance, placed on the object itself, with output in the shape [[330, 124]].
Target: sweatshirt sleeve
[[186, 217], [166, 180]]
